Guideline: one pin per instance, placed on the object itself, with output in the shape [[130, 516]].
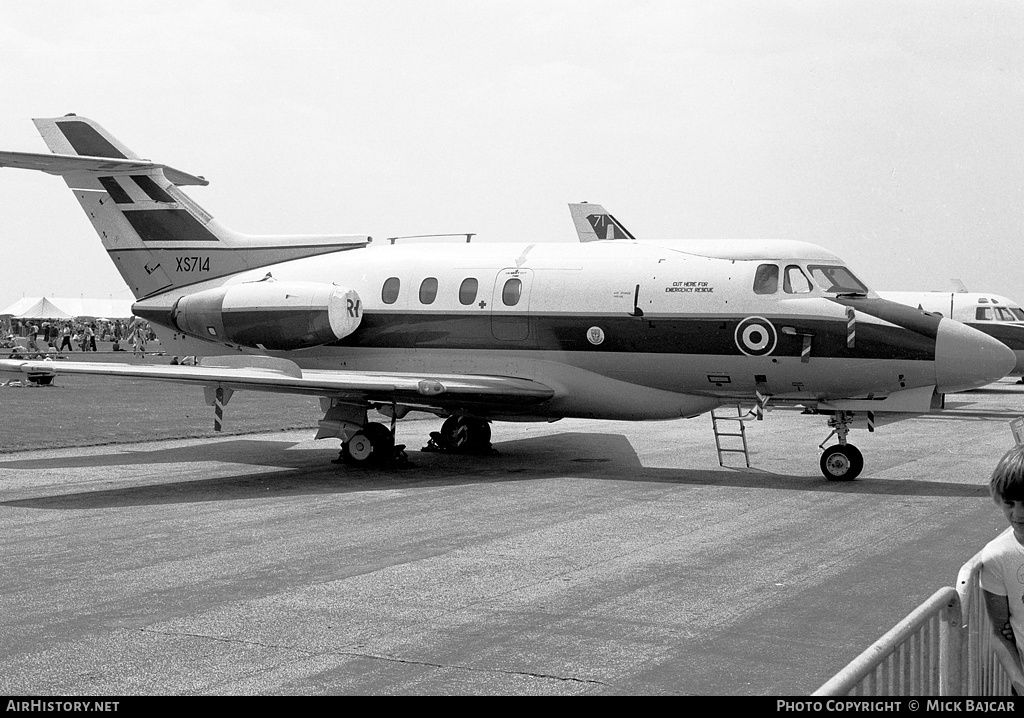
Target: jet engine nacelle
[[270, 314]]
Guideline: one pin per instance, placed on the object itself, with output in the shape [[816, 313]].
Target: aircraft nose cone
[[966, 358]]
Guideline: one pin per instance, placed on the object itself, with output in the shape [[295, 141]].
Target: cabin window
[[836, 279], [511, 292], [795, 281], [389, 294], [428, 290], [467, 291], [766, 280], [983, 314]]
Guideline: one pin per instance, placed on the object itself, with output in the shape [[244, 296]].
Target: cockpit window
[[1018, 314], [795, 281], [836, 279], [766, 280], [1005, 315], [983, 314]]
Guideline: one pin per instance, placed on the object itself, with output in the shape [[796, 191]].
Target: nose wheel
[[842, 462]]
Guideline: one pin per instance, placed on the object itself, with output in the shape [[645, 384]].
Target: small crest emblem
[[595, 335]]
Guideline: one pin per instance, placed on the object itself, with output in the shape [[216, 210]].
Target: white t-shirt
[[1002, 573]]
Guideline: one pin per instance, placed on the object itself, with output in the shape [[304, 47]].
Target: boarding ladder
[[741, 418]]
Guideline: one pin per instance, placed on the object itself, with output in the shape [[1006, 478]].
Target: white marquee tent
[[68, 307]]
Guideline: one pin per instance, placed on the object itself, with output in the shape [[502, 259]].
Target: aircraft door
[[510, 304]]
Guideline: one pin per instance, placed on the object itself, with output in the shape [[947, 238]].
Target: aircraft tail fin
[[158, 237], [594, 223]]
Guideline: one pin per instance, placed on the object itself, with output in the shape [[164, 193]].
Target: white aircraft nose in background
[[966, 358]]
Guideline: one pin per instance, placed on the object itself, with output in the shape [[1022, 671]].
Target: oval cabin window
[[512, 292], [428, 290], [389, 294], [467, 291]]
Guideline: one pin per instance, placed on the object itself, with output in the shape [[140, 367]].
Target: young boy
[[1002, 573]]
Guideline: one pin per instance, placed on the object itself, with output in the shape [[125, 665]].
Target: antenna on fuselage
[[467, 235]]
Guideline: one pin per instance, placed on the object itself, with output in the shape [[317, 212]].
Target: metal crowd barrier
[[990, 669], [913, 659], [945, 647]]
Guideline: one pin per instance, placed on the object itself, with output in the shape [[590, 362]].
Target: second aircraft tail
[[593, 222]]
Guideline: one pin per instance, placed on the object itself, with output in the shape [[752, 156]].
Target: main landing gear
[[842, 462], [368, 443], [463, 435], [373, 444]]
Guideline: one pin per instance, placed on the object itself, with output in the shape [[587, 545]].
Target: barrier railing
[[989, 669], [945, 647], [920, 656]]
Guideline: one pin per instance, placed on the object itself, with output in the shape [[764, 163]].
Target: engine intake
[[270, 314]]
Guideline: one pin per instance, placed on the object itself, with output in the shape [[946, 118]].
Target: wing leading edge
[[411, 389]]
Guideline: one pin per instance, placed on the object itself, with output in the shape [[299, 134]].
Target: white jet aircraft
[[992, 314], [479, 332]]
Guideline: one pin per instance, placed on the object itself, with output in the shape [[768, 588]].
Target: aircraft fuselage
[[630, 330]]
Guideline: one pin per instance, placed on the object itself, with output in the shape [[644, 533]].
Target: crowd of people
[[28, 338]]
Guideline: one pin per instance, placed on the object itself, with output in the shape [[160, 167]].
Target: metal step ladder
[[741, 418]]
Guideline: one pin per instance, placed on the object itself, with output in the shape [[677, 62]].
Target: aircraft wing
[[282, 376]]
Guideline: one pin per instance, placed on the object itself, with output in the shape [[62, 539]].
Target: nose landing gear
[[842, 462]]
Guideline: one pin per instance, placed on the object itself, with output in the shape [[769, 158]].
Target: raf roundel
[[756, 337]]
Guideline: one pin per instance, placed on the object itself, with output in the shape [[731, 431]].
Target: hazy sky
[[889, 132]]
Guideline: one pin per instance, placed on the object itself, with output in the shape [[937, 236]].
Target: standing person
[[140, 341], [66, 337], [1002, 570], [90, 332]]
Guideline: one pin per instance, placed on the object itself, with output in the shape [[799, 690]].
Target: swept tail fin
[[158, 237], [594, 223]]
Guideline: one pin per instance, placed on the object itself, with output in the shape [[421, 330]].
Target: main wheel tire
[[358, 450], [463, 433], [382, 441], [842, 462]]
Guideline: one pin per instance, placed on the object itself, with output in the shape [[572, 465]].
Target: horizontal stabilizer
[[64, 164]]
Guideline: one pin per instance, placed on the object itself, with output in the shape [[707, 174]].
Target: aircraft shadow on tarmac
[[999, 388], [309, 472]]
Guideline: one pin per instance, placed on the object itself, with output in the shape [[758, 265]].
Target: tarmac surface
[[585, 557]]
